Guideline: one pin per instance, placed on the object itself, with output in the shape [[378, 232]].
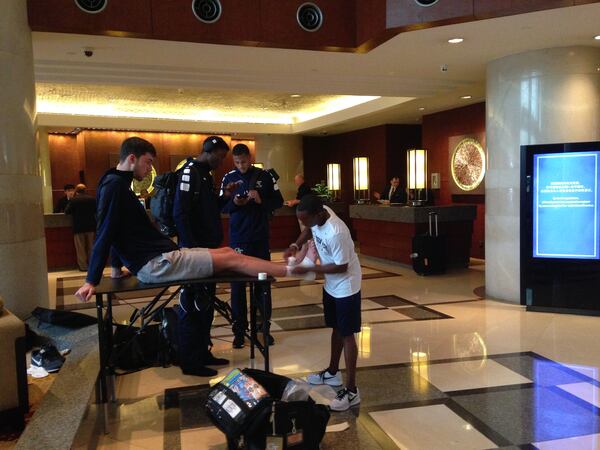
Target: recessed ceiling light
[[455, 40], [466, 97], [421, 109], [295, 95], [597, 37]]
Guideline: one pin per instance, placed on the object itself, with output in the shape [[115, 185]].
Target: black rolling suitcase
[[429, 250]]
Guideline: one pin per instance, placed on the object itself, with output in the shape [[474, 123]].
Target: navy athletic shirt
[[122, 222], [250, 223]]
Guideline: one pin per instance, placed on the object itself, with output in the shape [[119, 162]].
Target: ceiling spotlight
[[466, 97], [455, 40], [597, 37], [295, 95]]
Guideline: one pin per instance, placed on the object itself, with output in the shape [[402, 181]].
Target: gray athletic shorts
[[182, 264]]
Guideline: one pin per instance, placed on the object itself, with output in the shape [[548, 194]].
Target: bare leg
[[227, 259], [337, 344], [350, 356]]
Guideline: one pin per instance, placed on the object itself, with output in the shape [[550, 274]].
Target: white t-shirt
[[335, 246]]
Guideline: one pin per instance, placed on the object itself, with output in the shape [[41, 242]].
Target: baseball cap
[[212, 143]]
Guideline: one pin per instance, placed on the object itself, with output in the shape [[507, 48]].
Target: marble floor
[[440, 367]]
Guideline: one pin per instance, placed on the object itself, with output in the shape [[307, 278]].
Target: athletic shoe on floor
[[47, 357], [212, 360], [238, 341], [325, 377], [345, 400]]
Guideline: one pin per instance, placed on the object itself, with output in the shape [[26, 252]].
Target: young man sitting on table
[[124, 227], [341, 292]]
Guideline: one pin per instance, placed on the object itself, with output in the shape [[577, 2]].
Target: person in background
[[303, 189], [197, 216], [82, 208], [250, 208], [393, 193], [62, 202]]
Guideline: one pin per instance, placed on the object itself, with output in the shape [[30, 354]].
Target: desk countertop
[[408, 214]]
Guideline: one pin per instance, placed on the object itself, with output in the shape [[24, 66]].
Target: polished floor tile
[[543, 372], [590, 442], [476, 374], [432, 427], [585, 391]]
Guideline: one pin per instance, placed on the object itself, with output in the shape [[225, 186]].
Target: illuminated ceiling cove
[[189, 104]]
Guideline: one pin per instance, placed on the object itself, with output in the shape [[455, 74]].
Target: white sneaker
[[345, 400], [325, 377]]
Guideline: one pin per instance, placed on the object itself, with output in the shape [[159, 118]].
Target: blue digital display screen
[[565, 205]]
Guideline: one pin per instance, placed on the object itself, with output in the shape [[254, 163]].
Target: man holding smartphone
[[255, 198]]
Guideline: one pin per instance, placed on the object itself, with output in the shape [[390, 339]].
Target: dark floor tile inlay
[[531, 415], [293, 311], [541, 371], [301, 323], [391, 301], [417, 313]]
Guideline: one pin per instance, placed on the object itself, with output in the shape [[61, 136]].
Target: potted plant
[[321, 190]]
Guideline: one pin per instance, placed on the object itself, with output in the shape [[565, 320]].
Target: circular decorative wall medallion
[[146, 184], [91, 6], [207, 11], [468, 164], [309, 17], [426, 2]]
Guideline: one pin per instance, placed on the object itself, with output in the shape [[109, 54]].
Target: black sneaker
[[238, 341], [198, 370], [47, 357], [212, 360]]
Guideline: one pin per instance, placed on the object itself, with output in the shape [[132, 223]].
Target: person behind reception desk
[[393, 193], [62, 203], [82, 208], [303, 189]]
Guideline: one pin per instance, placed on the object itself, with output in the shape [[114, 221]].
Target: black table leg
[[266, 320], [110, 372], [253, 333], [103, 353]]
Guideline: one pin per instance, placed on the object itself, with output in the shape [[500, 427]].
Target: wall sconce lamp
[[259, 165], [334, 177], [361, 179], [416, 177]]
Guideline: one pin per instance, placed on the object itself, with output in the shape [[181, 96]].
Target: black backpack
[[163, 200]]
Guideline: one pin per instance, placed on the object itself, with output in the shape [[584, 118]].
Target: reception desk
[[386, 231]]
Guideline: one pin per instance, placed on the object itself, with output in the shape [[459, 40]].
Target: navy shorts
[[343, 314]]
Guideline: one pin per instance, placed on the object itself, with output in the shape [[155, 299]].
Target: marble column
[[538, 97], [45, 169], [24, 282], [283, 153]]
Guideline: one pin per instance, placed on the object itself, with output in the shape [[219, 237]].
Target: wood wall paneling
[[370, 20], [122, 16], [494, 8], [384, 145], [437, 129], [174, 20], [279, 25], [60, 248], [404, 13]]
